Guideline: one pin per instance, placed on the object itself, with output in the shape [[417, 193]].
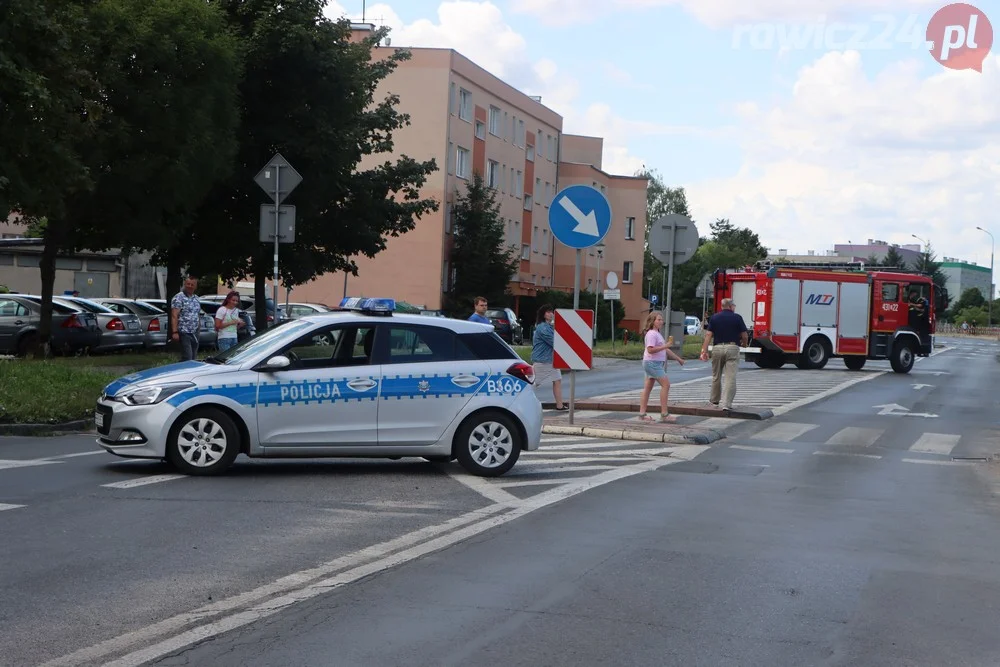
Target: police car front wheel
[[488, 444], [203, 442]]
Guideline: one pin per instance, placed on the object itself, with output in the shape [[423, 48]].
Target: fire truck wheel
[[815, 354], [902, 357], [854, 363]]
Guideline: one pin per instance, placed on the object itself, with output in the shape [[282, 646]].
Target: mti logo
[[819, 299]]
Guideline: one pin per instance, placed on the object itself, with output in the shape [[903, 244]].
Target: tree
[[927, 264], [744, 243], [893, 259], [483, 265], [663, 200], [873, 260], [308, 93], [153, 85]]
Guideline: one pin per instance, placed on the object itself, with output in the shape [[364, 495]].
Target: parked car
[[692, 325], [246, 303], [153, 320], [294, 311], [73, 330], [242, 333], [506, 325], [208, 338], [119, 331]]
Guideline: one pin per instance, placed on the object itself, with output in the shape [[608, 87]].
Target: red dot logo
[[960, 36]]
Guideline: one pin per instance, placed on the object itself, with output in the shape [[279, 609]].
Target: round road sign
[[612, 280]]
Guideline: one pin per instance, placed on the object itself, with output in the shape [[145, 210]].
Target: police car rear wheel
[[488, 444], [203, 442]]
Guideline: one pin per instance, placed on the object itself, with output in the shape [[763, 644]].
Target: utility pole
[[992, 286]]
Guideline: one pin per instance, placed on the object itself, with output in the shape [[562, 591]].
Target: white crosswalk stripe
[[856, 436], [784, 431], [763, 388], [936, 443]]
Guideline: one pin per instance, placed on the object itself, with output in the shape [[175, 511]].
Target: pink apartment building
[[469, 120]]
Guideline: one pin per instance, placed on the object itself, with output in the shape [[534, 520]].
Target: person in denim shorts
[[654, 361]]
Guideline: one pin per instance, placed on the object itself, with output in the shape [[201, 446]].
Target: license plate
[[99, 420], [133, 325]]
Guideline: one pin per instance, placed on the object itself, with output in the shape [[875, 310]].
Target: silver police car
[[363, 382]]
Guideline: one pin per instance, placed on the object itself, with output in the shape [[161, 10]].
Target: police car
[[362, 382]]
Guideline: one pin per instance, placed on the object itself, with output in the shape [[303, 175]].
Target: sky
[[809, 125]]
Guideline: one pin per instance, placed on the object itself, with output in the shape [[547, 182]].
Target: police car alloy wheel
[[203, 442], [488, 444]]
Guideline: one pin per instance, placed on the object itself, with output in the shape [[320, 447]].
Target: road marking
[[855, 436], [936, 443], [142, 481], [538, 470], [569, 438], [483, 487], [783, 432], [307, 584], [596, 444], [751, 448], [73, 456], [547, 461], [778, 411], [30, 463], [864, 456], [4, 506], [940, 463], [541, 482]]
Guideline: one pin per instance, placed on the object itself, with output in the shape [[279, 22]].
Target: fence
[[946, 329]]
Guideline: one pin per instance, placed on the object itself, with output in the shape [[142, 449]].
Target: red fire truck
[[808, 313]]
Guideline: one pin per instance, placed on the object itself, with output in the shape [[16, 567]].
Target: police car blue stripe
[[122, 382]]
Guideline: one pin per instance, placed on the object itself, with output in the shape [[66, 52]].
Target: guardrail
[[973, 330]]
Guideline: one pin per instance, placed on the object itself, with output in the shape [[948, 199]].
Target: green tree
[[928, 264], [483, 264], [893, 259], [309, 93], [744, 243], [873, 260], [154, 86]]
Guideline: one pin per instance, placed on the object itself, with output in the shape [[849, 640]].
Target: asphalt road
[[832, 535]]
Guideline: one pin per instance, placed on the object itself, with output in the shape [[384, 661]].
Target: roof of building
[[965, 266]]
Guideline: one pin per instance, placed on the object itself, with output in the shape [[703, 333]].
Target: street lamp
[[990, 300]]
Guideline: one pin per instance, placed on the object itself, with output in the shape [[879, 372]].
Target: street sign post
[[579, 217], [278, 178], [572, 345], [673, 240]]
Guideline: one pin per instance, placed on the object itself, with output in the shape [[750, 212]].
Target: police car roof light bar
[[371, 306]]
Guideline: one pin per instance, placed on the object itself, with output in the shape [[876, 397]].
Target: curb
[[706, 438], [46, 429]]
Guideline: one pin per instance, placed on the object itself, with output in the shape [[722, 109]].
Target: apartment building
[[469, 120], [965, 275]]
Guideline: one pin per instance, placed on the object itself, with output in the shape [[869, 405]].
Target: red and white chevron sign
[[573, 340]]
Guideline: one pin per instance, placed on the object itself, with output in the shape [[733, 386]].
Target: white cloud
[[715, 13], [849, 157]]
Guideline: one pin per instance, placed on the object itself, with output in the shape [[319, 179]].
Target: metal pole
[[670, 276], [597, 295], [704, 300], [663, 284], [612, 326], [576, 305], [345, 283], [277, 212]]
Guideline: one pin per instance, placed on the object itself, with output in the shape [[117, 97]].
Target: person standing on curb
[[542, 342], [729, 332], [185, 319], [227, 321], [654, 361], [479, 303]]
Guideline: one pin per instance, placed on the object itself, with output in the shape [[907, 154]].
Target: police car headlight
[[152, 394]]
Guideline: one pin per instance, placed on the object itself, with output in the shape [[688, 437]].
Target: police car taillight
[[522, 371]]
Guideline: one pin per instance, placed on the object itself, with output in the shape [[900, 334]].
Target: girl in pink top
[[654, 359]]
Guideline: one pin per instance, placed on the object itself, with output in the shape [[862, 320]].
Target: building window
[[530, 154], [519, 183], [528, 202], [503, 178], [493, 174], [534, 239], [627, 272], [494, 121], [538, 186], [520, 133], [462, 162], [539, 146], [513, 130], [630, 229], [480, 130], [464, 104], [525, 251], [447, 218]]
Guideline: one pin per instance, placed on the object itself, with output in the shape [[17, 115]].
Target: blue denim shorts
[[654, 369]]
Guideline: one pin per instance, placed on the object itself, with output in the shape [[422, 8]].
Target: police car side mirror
[[277, 363]]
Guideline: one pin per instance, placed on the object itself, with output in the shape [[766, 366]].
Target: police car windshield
[[252, 346]]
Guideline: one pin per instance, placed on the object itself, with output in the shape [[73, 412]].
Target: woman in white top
[[227, 321]]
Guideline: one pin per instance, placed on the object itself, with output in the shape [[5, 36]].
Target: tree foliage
[[482, 261], [309, 93], [893, 258]]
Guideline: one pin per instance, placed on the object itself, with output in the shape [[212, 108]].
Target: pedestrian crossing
[[833, 440], [779, 390]]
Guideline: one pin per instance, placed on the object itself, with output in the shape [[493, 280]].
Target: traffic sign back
[[573, 344], [579, 216], [279, 171]]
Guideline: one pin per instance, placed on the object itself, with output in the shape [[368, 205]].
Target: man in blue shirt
[[729, 332], [480, 314]]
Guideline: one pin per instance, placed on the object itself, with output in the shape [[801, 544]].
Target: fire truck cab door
[[890, 311]]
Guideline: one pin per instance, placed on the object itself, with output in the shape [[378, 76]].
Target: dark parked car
[[506, 325], [208, 338], [242, 333], [73, 329]]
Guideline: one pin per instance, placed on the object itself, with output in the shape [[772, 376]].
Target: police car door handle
[[361, 384]]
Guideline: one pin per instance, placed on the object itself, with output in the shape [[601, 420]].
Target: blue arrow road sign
[[579, 216]]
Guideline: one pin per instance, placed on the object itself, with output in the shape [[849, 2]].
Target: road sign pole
[[670, 277], [612, 327], [277, 234], [576, 306]]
